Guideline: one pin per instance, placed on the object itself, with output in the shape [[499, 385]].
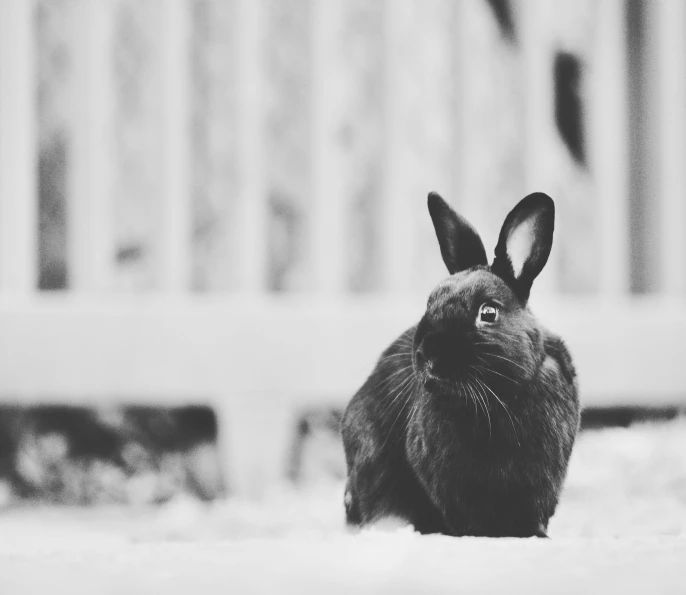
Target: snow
[[374, 562], [621, 527]]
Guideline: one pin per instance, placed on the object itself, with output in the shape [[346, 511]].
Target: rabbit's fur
[[466, 425]]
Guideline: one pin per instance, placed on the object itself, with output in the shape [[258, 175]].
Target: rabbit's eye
[[488, 313]]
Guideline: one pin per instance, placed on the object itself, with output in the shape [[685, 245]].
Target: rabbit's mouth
[[438, 384], [440, 379]]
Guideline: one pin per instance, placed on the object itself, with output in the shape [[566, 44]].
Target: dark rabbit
[[467, 423]]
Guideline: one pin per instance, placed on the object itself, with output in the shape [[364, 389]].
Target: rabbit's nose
[[444, 352], [428, 348], [420, 355]]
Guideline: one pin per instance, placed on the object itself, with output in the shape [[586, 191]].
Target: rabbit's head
[[477, 335]]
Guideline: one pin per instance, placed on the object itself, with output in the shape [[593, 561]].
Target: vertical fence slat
[[609, 142], [328, 222], [174, 247], [247, 469], [90, 231], [18, 148], [253, 213], [396, 238], [670, 37]]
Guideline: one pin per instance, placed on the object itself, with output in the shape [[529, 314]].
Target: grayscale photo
[[342, 296]]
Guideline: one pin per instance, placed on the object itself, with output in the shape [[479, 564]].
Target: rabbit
[[466, 424]]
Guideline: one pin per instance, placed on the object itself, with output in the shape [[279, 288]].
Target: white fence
[[258, 356]]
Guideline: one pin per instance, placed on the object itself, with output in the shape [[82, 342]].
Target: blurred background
[[213, 218]]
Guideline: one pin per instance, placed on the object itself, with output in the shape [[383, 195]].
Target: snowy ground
[[621, 527]]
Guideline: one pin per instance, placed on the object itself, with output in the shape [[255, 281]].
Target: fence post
[[255, 441], [90, 213], [253, 431], [253, 213], [18, 148], [396, 238], [609, 144], [328, 224], [177, 215], [670, 37]]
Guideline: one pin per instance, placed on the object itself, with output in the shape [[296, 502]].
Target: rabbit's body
[[465, 427]]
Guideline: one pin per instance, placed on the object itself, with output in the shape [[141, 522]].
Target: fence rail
[[256, 355]]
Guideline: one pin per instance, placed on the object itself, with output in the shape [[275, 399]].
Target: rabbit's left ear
[[524, 243], [461, 246]]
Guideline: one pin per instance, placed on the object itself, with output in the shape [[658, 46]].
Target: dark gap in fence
[[643, 248], [623, 417], [55, 72], [147, 455], [502, 11], [52, 245], [569, 109], [124, 455], [285, 229], [317, 449]]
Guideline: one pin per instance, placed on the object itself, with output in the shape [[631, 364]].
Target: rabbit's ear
[[461, 246], [525, 242]]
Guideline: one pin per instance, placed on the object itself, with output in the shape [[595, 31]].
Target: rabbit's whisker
[[409, 388], [507, 359], [410, 418], [469, 396], [489, 370], [384, 383], [484, 401], [505, 408], [483, 404], [395, 355], [397, 393]]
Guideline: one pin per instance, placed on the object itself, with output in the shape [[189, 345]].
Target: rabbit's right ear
[[525, 241], [461, 246]]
